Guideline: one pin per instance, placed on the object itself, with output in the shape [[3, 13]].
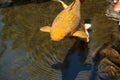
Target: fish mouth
[[53, 39], [57, 37]]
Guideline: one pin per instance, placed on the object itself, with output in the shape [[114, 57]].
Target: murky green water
[[27, 54]]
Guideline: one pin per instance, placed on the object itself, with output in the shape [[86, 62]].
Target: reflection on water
[[9, 62], [10, 3], [28, 54]]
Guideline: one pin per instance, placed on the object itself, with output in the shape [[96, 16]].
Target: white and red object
[[116, 6]]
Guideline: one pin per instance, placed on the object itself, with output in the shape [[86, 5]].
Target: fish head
[[56, 38], [57, 35]]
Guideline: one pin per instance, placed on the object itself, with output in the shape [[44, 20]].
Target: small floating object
[[67, 23], [116, 6], [115, 1], [87, 23]]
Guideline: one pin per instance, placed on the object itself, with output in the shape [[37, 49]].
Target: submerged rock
[[107, 58], [108, 70], [116, 38], [112, 55]]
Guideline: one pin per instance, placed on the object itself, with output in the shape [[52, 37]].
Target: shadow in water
[[74, 62]]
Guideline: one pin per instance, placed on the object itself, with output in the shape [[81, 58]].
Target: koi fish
[[67, 23], [116, 6]]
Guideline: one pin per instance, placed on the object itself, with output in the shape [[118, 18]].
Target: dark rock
[[108, 70], [116, 38], [112, 55]]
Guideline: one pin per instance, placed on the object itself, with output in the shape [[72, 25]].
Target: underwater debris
[[67, 23]]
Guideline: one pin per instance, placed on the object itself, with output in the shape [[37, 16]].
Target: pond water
[[28, 54]]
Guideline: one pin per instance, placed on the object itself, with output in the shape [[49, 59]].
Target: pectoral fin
[[80, 34], [45, 29]]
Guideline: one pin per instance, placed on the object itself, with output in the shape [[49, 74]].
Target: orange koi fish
[[116, 6], [67, 23]]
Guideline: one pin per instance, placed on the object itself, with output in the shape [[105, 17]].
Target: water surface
[[28, 54]]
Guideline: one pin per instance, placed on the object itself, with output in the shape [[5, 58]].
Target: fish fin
[[45, 29], [85, 31], [80, 34], [88, 27], [63, 4], [85, 26]]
